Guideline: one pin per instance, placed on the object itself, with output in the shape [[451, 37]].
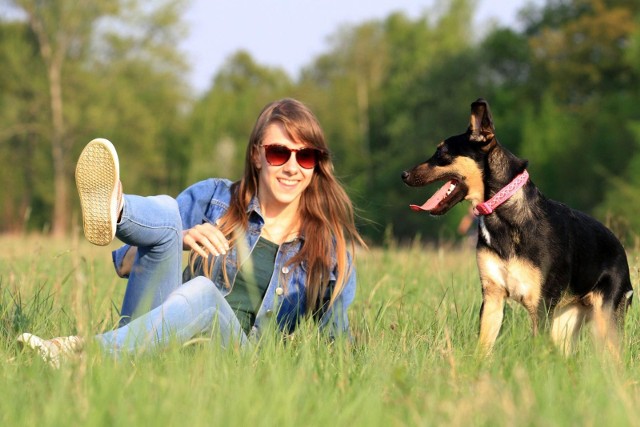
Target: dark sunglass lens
[[307, 157], [277, 154]]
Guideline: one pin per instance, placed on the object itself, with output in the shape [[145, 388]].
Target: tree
[[425, 97], [60, 29], [21, 123], [621, 202], [222, 119], [87, 51], [578, 64], [579, 45], [552, 139], [349, 78]]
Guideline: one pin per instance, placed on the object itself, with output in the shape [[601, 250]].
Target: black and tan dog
[[559, 263]]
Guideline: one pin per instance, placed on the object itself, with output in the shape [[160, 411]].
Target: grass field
[[413, 361]]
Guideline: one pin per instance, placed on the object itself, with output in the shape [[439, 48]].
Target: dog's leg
[[535, 308], [604, 325], [491, 315], [566, 324], [534, 315]]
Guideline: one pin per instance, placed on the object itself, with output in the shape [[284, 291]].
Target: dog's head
[[458, 161]]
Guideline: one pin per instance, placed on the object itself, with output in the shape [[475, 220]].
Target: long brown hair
[[326, 212]]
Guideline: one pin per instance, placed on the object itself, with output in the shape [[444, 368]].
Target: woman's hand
[[205, 239]]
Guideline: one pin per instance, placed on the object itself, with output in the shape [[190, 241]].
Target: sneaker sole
[[97, 177]]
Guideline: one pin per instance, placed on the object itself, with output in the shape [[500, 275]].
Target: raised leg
[[153, 225]]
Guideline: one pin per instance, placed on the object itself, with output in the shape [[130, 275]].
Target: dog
[[563, 266]]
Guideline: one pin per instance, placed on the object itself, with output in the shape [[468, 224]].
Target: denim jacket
[[207, 201]]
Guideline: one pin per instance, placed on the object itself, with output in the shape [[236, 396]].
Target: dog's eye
[[441, 152]]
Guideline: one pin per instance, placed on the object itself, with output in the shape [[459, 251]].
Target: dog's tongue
[[435, 199]]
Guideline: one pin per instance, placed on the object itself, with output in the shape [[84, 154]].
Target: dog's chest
[[483, 231], [521, 280]]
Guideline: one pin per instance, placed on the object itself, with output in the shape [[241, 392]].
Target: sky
[[291, 33]]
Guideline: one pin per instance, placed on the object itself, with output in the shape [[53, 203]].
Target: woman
[[275, 246]]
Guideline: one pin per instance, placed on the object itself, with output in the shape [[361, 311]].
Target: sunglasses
[[278, 155]]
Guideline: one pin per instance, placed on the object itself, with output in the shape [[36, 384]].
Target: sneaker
[[100, 191], [54, 350]]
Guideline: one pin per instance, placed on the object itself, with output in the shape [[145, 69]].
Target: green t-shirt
[[252, 282]]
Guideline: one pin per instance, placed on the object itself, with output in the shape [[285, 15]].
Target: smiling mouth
[[450, 194], [288, 182]]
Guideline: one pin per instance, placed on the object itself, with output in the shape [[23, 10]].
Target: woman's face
[[281, 186]]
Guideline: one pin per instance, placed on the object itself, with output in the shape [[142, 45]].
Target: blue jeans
[[157, 309]]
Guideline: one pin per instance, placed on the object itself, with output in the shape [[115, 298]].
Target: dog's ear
[[481, 123]]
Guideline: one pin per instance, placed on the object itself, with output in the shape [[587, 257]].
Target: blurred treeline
[[564, 88]]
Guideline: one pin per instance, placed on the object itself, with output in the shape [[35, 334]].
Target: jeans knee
[[169, 205], [151, 212], [170, 220], [199, 291]]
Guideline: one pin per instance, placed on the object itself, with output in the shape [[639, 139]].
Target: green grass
[[413, 362]]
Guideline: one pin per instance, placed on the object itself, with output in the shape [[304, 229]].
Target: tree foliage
[[106, 68], [222, 119], [564, 90]]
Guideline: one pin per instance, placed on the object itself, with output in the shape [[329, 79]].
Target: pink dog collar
[[486, 208]]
